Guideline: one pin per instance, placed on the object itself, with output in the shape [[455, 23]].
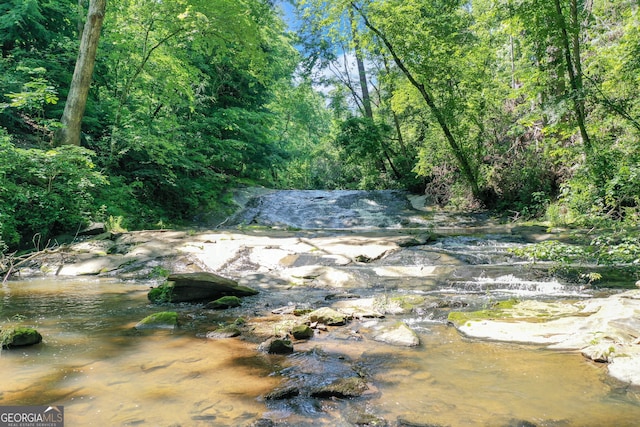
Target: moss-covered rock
[[277, 346], [282, 393], [224, 303], [162, 320], [19, 337], [302, 332], [499, 310], [204, 287], [401, 304], [327, 316]]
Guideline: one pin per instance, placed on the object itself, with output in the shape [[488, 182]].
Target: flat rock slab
[[204, 286], [398, 334], [603, 329]]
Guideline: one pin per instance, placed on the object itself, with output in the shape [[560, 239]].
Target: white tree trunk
[[82, 74]]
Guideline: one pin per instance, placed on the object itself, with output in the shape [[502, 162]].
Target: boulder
[[162, 320], [327, 316], [201, 287], [19, 337], [277, 346], [398, 334], [302, 332]]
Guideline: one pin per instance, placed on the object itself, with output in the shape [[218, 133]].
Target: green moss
[[160, 294], [301, 332], [19, 336], [225, 302], [461, 317], [164, 317], [408, 302], [502, 305]]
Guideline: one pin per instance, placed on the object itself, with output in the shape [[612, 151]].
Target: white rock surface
[[603, 329]]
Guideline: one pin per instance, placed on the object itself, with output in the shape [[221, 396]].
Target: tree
[[425, 59], [76, 103]]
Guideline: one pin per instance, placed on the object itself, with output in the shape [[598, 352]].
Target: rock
[[361, 308], [224, 332], [602, 329], [19, 337], [224, 303], [363, 259], [302, 332], [327, 316], [199, 287], [405, 422], [263, 422], [283, 393], [277, 346], [93, 229], [162, 320], [367, 420], [603, 352], [415, 241], [342, 387], [401, 304], [398, 334], [344, 295]]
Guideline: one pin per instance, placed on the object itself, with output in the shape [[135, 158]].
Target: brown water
[[105, 374]]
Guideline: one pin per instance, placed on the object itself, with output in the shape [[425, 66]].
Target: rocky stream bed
[[321, 271]]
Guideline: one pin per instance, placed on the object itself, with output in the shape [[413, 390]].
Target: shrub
[[44, 192]]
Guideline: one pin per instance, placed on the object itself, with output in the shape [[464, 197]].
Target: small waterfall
[[516, 286]]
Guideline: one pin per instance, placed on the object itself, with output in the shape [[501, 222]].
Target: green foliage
[[192, 97], [44, 192], [160, 294], [606, 249]]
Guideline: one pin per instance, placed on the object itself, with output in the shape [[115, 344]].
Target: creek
[[104, 372]]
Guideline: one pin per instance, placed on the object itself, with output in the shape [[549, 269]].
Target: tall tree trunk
[[362, 74], [463, 163], [574, 69], [77, 99]]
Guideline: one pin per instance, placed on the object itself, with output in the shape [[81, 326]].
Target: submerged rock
[[283, 393], [162, 320], [398, 334], [19, 337], [342, 387]]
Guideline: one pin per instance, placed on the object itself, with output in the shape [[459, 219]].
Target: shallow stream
[[94, 363]]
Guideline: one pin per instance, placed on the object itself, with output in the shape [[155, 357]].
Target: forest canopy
[[529, 108]]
